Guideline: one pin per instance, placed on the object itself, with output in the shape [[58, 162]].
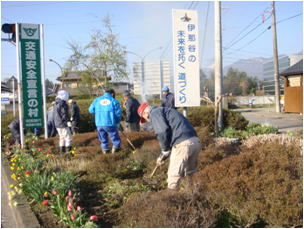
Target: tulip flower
[[94, 217], [70, 193], [15, 203], [67, 198], [45, 202], [54, 192], [70, 207], [12, 186], [39, 149], [45, 194], [27, 172], [78, 208], [73, 217], [49, 151]]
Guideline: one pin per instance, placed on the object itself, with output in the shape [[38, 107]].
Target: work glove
[[69, 124], [162, 157]]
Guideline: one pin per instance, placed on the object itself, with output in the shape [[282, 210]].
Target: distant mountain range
[[252, 66]]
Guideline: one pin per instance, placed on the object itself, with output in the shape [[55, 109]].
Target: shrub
[[204, 116], [261, 184], [167, 209]]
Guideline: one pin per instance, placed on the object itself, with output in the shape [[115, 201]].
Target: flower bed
[[235, 186]]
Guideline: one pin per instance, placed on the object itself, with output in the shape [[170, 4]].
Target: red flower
[[73, 217], [78, 208], [27, 172], [45, 202], [54, 192], [49, 151], [39, 149], [94, 217], [70, 193], [67, 198]]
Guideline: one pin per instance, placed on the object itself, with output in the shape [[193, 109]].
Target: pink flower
[[39, 149], [49, 151], [45, 202], [78, 208], [94, 217], [67, 198], [54, 192], [27, 172], [73, 217], [33, 142], [70, 193], [70, 206]]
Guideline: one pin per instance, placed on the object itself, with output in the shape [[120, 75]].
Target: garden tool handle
[[157, 165], [122, 132]]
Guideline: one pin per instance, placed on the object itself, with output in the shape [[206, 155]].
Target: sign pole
[[14, 102], [20, 99], [43, 80]]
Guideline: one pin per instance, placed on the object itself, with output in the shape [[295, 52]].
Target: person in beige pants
[[178, 140]]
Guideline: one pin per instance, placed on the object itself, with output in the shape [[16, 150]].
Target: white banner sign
[[186, 58]]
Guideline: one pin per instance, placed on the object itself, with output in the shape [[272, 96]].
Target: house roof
[[295, 69], [5, 88]]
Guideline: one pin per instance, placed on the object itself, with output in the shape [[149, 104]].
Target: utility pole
[[275, 61], [218, 66]]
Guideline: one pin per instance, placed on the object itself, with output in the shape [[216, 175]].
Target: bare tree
[[102, 59]]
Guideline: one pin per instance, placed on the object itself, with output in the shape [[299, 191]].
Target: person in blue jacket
[[107, 117], [167, 98]]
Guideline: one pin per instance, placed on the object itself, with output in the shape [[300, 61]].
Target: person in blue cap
[[107, 117], [167, 98]]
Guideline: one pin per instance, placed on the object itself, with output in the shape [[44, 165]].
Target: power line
[[247, 34], [246, 27], [285, 19]]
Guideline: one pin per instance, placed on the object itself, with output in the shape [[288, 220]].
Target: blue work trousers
[[104, 132]]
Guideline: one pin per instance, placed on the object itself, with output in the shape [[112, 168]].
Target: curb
[[22, 214]]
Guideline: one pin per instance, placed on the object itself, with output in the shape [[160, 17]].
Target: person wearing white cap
[[62, 121]]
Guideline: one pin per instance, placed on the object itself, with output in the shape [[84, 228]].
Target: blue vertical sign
[[186, 58]]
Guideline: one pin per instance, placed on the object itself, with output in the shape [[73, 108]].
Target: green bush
[[5, 121], [204, 116]]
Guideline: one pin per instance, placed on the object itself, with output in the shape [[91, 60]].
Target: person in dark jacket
[[107, 117], [50, 121], [14, 127], [178, 140], [75, 116], [62, 121], [132, 117], [167, 98]]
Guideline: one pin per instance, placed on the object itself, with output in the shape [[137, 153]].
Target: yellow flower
[[20, 185], [13, 176], [13, 164], [19, 191], [12, 168], [52, 178], [10, 204], [12, 186], [18, 168], [12, 193], [15, 203]]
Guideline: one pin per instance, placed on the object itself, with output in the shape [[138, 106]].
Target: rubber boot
[[68, 152], [105, 151], [115, 149], [62, 149]]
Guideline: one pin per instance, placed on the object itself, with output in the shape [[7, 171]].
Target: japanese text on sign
[[186, 63]]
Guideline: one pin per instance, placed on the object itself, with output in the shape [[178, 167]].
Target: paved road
[[283, 121]]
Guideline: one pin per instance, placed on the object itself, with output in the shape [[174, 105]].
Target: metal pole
[[14, 102], [20, 102], [275, 61], [43, 80], [218, 62]]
